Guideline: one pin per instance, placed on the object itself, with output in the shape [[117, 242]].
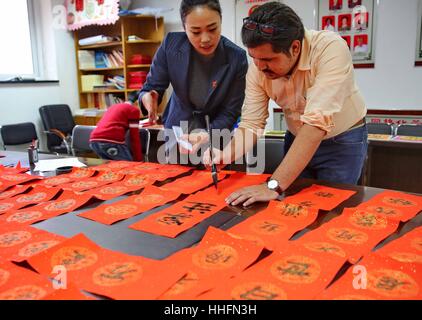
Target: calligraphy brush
[[213, 166]]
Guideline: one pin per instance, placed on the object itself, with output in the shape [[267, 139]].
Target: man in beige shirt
[[310, 75]]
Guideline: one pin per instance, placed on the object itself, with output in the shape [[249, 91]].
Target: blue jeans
[[339, 159], [111, 151]]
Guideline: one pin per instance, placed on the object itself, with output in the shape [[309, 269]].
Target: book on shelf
[[86, 59], [113, 59], [118, 82], [95, 40], [101, 101], [89, 81]]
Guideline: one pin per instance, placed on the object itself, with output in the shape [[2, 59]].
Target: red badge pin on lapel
[[214, 84]]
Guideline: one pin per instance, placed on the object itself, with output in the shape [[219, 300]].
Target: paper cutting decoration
[[81, 13]]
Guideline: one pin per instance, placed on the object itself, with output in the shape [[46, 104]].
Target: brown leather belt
[[358, 124]]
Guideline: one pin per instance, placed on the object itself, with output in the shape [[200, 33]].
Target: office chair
[[409, 130], [145, 136], [80, 139], [18, 134], [380, 128], [58, 124], [266, 156]]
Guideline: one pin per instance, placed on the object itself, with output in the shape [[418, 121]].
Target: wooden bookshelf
[[148, 28]]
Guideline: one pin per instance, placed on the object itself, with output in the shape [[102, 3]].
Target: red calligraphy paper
[[275, 225], [105, 272], [104, 178], [17, 283], [180, 217], [150, 198], [406, 249], [218, 256], [17, 243], [295, 272], [67, 202], [386, 279], [236, 181], [13, 191], [357, 232], [196, 181], [119, 276], [394, 205], [320, 197]]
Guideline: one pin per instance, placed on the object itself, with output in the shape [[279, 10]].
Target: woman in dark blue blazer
[[206, 70]]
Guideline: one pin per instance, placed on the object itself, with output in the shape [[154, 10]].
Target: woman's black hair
[[187, 6], [288, 24]]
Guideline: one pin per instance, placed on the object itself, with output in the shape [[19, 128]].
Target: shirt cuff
[[319, 119]]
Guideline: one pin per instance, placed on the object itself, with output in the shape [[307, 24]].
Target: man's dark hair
[[187, 6], [289, 27]]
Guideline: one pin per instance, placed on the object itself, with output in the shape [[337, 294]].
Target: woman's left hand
[[249, 195], [196, 140]]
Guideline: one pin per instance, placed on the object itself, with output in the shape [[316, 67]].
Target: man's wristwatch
[[273, 185]]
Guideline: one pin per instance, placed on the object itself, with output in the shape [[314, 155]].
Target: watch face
[[272, 184]]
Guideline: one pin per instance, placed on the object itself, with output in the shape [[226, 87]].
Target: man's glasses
[[265, 29]]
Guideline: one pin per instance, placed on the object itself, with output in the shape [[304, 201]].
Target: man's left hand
[[249, 195]]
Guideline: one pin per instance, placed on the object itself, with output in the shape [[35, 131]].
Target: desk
[[120, 238], [11, 158], [394, 164]]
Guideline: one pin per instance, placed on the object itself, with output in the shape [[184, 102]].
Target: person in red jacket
[[108, 139]]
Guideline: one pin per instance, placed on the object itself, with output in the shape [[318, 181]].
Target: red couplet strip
[[218, 256], [320, 197], [150, 198]]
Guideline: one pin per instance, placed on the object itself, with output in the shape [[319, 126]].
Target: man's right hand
[[150, 102], [218, 157]]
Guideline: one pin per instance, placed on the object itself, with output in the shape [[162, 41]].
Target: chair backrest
[[56, 116], [379, 128], [266, 156], [80, 138], [409, 130], [145, 141], [19, 133]]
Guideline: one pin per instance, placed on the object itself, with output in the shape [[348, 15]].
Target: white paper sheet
[[53, 164], [178, 132]]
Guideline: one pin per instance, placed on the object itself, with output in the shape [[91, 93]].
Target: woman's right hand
[[217, 159], [150, 102]]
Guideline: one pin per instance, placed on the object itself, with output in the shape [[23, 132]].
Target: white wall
[[20, 102], [394, 83], [172, 19]]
